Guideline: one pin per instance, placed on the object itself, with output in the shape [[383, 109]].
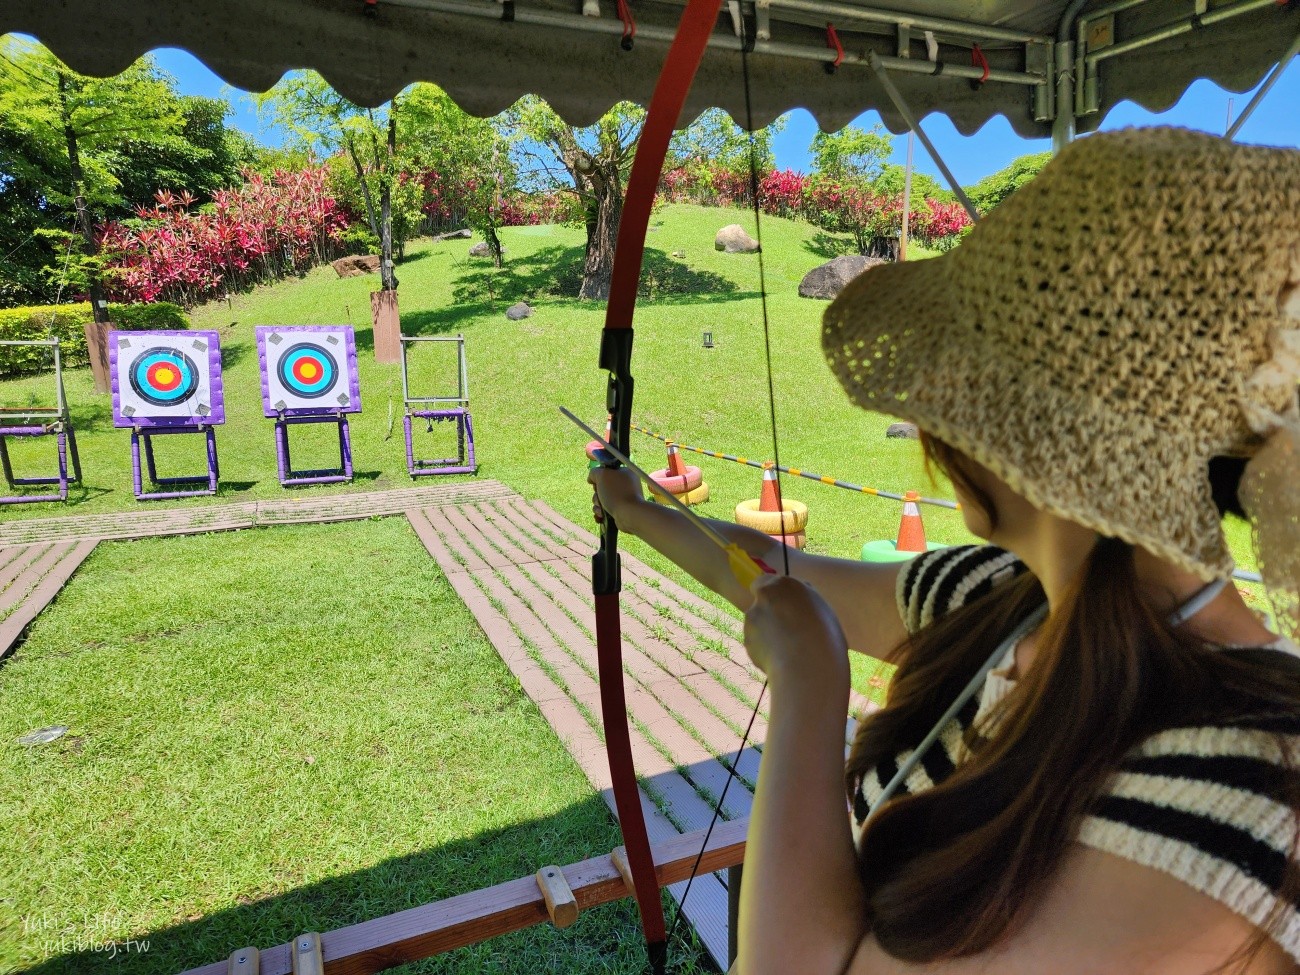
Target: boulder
[[829, 279], [356, 265], [734, 240], [481, 249], [905, 431], [463, 234], [518, 311]]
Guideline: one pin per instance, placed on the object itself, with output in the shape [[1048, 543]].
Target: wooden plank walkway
[[151, 520], [30, 577], [524, 571]]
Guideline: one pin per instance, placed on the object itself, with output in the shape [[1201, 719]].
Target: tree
[[714, 139], [993, 189], [851, 155], [203, 157], [464, 162], [77, 128], [323, 122], [597, 160]]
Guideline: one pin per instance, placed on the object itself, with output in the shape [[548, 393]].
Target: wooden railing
[[556, 894]]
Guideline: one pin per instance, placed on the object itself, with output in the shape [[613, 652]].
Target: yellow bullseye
[[309, 370], [165, 376]]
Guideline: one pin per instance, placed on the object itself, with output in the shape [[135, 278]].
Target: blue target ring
[[308, 370], [163, 376]]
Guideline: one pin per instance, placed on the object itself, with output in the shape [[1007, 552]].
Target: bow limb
[[666, 105]]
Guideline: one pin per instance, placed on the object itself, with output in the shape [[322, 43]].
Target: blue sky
[[1204, 106]]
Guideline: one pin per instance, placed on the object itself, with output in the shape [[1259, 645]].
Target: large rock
[[356, 265], [829, 279], [481, 249], [903, 431], [518, 311], [734, 240], [463, 234]]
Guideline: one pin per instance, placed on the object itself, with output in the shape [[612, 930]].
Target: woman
[[1103, 368]]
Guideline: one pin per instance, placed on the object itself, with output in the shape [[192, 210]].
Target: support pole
[[913, 123], [1264, 89]]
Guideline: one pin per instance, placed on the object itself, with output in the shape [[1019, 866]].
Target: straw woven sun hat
[[1131, 313]]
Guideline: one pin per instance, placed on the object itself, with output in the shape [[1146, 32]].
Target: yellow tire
[[698, 496], [794, 517]]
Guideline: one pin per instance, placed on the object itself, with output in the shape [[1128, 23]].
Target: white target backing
[[165, 378], [308, 369]]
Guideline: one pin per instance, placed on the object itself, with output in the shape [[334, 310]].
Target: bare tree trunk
[[97, 328], [387, 276], [494, 243], [84, 224], [602, 239], [365, 187]]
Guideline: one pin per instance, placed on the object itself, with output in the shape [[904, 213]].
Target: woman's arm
[[861, 594], [802, 907]]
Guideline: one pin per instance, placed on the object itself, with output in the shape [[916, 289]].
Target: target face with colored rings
[[164, 376], [308, 370]]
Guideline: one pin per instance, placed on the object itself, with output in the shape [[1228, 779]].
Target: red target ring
[[164, 376], [308, 370]]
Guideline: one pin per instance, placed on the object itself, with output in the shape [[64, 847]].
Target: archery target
[[308, 369], [165, 377]]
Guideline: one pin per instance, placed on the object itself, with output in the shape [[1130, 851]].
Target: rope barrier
[[1239, 574], [797, 472]]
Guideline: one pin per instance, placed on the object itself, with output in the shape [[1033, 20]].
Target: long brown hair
[[953, 869]]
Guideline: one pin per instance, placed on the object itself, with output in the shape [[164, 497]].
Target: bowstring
[[746, 46]]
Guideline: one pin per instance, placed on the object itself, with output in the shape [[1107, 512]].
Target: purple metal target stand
[[38, 421], [290, 404], [291, 478], [439, 409], [198, 407]]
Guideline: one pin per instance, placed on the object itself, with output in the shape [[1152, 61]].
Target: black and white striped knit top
[[1199, 803]]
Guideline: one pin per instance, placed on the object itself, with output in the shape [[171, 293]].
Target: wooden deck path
[[150, 519], [524, 571], [30, 577]]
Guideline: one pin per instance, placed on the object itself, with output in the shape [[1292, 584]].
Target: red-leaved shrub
[[263, 230]]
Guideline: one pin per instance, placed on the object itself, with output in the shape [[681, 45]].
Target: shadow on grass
[[605, 939], [829, 246], [556, 272]]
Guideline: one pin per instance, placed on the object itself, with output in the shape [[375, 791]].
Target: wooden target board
[[308, 370], [166, 378]]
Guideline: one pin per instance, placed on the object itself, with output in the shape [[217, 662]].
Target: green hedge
[[68, 322]]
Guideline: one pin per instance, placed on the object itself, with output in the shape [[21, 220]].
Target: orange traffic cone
[[595, 445], [769, 498], [676, 466], [911, 533]]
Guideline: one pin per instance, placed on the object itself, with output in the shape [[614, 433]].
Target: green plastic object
[[884, 551]]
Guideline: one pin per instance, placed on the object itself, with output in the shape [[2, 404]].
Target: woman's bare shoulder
[[1104, 914]]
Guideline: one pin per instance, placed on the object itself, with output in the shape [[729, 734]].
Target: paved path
[[30, 577], [148, 519], [524, 571]]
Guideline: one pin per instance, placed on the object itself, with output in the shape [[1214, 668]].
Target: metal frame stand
[[208, 481], [41, 422], [462, 463], [291, 478], [62, 441], [439, 409]]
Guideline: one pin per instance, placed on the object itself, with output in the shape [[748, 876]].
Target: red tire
[[678, 483], [794, 539]]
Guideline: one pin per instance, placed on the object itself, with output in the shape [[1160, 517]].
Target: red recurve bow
[[666, 105]]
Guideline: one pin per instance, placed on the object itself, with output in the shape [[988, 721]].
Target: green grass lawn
[[228, 782], [251, 757]]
